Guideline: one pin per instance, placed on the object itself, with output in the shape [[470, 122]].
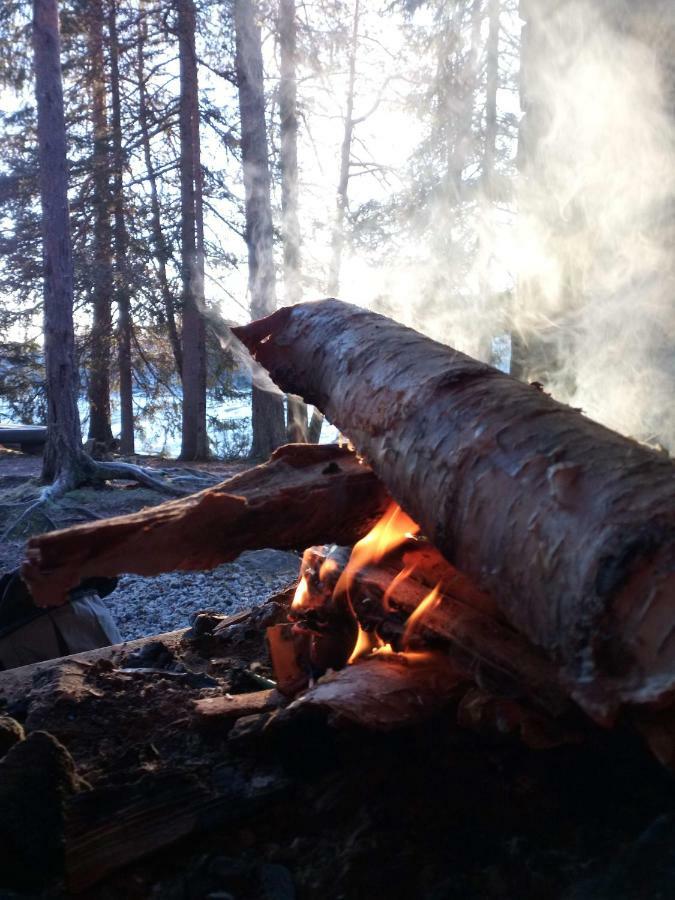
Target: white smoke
[[593, 245], [579, 261]]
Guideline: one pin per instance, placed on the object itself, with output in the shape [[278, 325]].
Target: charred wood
[[483, 648], [109, 827], [382, 692]]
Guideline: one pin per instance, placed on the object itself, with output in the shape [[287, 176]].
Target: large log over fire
[[303, 495], [570, 526]]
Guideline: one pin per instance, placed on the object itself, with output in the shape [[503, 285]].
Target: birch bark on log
[[570, 526]]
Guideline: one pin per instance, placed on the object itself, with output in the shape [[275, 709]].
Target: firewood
[[386, 691], [483, 648], [303, 495], [494, 716], [16, 683], [228, 707], [568, 525]]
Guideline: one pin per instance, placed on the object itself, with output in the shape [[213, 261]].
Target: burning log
[[382, 692], [568, 525], [482, 648], [303, 495]]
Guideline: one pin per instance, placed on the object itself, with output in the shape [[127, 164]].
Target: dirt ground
[[152, 803]]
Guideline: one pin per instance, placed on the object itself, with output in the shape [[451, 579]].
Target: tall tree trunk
[[491, 88], [484, 349], [158, 239], [194, 436], [296, 419], [532, 358], [122, 292], [342, 198], [267, 411], [102, 276], [63, 451]]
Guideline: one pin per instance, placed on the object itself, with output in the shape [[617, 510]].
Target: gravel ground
[[143, 606], [146, 606]]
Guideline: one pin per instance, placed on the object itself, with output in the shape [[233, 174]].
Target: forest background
[[498, 174]]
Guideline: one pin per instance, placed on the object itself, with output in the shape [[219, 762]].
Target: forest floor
[[153, 802], [142, 606]]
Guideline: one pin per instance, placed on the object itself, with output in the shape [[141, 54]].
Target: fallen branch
[[304, 494]]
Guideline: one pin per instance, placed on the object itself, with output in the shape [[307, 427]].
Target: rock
[[11, 732]]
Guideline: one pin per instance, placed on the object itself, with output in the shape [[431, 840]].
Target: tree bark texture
[[491, 88], [64, 439], [194, 436], [568, 525], [268, 424], [304, 495], [122, 290], [288, 150], [100, 341]]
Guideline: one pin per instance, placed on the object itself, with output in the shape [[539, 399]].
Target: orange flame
[[392, 530], [301, 595], [328, 566], [365, 644], [430, 602]]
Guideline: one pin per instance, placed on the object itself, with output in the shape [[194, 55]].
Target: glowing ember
[[301, 596], [430, 602], [328, 567], [366, 643], [385, 648]]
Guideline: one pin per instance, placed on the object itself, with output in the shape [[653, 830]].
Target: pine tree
[[267, 413], [194, 436]]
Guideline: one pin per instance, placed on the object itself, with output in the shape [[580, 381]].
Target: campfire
[[485, 555], [392, 607], [563, 599]]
